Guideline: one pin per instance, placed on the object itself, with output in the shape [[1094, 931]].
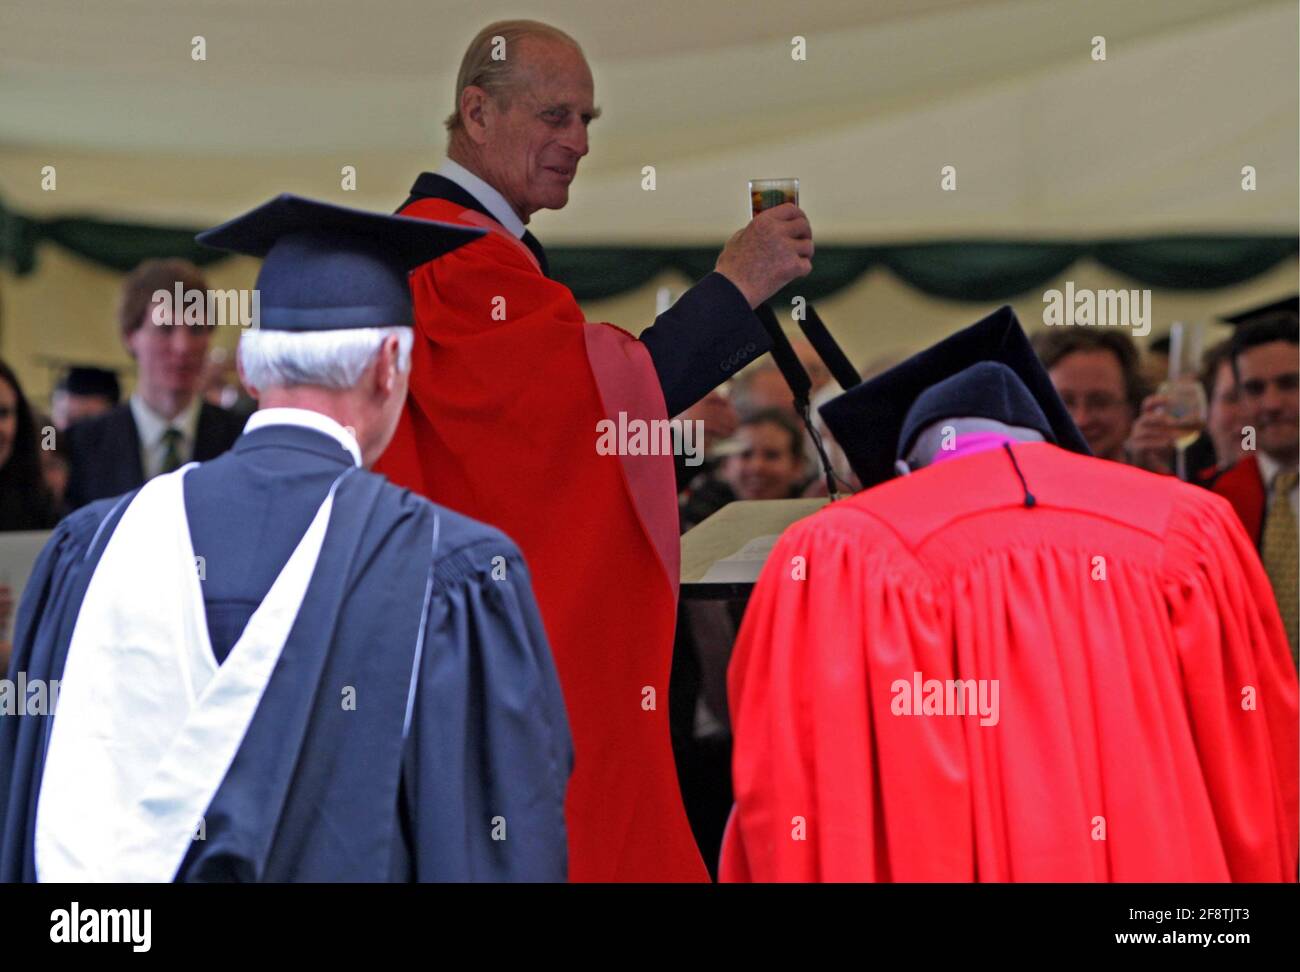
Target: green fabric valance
[[960, 270]]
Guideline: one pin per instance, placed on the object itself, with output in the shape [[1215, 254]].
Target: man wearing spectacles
[[1096, 374]]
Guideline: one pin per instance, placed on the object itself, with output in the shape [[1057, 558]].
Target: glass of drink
[[770, 193], [1187, 408]]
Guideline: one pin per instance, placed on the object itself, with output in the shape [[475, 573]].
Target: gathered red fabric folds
[[1145, 724], [508, 386]]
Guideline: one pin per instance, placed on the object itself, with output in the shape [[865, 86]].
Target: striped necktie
[[1279, 551], [172, 455]]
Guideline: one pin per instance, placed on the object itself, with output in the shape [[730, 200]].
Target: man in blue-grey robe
[[277, 666]]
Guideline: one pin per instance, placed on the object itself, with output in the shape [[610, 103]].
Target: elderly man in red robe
[[510, 388], [1015, 663]]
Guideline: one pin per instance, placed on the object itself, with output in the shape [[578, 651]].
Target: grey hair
[[497, 77], [326, 359]]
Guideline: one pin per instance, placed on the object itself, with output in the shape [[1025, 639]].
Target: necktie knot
[[1283, 483]]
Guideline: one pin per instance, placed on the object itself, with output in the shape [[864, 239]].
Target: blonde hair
[[497, 77]]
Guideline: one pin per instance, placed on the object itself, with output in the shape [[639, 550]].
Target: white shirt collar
[[492, 201], [1269, 469], [307, 419], [151, 426]]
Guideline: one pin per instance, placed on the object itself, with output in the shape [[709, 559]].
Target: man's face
[[532, 148], [765, 467], [1269, 374], [1225, 417], [169, 358], [767, 389], [1091, 383]]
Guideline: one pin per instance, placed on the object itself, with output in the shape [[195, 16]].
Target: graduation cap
[[876, 421], [328, 267], [85, 380], [1286, 309]]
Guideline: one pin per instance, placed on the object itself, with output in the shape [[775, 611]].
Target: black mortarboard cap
[[85, 380], [1288, 308], [328, 267], [868, 420]]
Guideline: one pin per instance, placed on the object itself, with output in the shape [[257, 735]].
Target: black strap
[[1030, 502]]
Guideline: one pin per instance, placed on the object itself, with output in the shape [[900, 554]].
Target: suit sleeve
[[488, 752], [702, 340], [70, 440]]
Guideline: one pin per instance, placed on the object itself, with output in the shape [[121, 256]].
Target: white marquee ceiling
[[1046, 141]]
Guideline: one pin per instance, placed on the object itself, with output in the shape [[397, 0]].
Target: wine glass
[[1186, 407]]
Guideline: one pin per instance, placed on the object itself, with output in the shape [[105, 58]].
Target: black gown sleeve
[[46, 616], [488, 752]]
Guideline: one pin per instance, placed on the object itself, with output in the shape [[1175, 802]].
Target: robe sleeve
[[835, 618], [46, 614], [1240, 686], [488, 753]]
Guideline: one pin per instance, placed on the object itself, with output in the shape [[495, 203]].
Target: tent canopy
[[1045, 140]]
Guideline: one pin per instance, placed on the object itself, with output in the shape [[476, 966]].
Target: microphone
[[791, 368], [828, 349]]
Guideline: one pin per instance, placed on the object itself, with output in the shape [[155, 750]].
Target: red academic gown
[[508, 384], [1146, 725], [1243, 487]]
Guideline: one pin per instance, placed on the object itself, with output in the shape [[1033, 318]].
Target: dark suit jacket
[[104, 452], [695, 345]]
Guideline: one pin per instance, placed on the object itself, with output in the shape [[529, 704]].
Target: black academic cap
[[1288, 308], [868, 419], [328, 267], [85, 380]]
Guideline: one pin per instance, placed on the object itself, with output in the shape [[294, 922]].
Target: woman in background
[[25, 500]]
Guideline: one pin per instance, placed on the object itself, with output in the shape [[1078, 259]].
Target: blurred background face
[[8, 420], [766, 467], [1270, 402], [1225, 417], [763, 389], [1091, 383], [66, 408], [169, 358], [54, 470], [533, 147]]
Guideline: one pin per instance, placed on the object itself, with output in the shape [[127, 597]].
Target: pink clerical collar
[[972, 442]]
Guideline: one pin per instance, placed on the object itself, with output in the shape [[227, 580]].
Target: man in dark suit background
[[165, 423]]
